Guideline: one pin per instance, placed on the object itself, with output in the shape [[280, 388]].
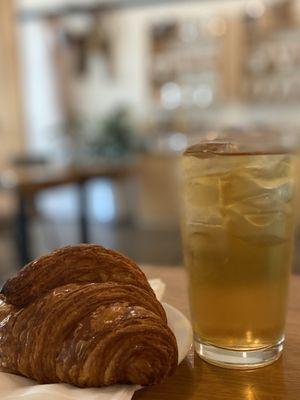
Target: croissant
[[87, 316]]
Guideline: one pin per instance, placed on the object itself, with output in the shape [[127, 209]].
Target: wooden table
[[198, 380], [27, 182]]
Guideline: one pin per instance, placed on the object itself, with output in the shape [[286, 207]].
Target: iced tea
[[237, 237]]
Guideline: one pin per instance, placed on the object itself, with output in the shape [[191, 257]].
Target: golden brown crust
[[85, 333], [83, 263]]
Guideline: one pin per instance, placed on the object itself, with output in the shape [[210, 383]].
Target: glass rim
[[257, 139], [207, 149]]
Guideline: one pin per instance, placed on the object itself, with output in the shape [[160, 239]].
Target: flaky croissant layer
[[87, 316]]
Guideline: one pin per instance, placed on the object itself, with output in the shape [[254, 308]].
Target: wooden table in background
[[27, 182], [198, 380]]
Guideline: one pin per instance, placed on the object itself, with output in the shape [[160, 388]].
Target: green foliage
[[113, 137]]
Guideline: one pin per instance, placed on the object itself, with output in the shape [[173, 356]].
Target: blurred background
[[99, 98]]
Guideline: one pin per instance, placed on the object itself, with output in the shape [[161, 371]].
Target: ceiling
[[53, 5], [36, 8]]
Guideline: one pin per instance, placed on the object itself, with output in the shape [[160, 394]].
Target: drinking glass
[[237, 230]]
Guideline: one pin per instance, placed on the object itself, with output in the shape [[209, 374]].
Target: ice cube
[[262, 203], [202, 192], [256, 194], [201, 239], [260, 228], [194, 167], [203, 217], [269, 167], [207, 149]]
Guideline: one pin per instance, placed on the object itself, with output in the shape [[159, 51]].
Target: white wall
[[40, 96], [97, 92]]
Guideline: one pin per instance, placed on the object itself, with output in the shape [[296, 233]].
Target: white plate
[[182, 329]]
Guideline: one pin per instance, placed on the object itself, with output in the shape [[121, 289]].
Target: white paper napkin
[[13, 387]]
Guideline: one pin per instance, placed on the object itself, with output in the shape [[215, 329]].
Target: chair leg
[[83, 212], [23, 235]]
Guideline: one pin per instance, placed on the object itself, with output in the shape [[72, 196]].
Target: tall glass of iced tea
[[237, 239]]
